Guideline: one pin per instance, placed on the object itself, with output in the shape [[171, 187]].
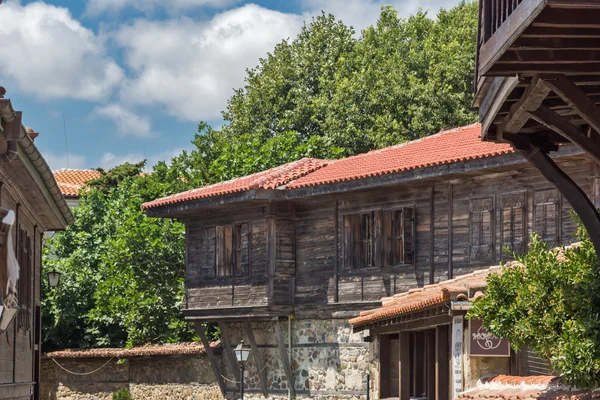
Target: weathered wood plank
[[229, 352], [211, 356], [519, 113], [576, 98], [262, 372], [284, 357], [558, 124], [569, 189]]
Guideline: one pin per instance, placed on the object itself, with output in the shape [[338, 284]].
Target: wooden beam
[[576, 98], [450, 220], [543, 68], [442, 362], [431, 235], [561, 56], [569, 189], [284, 357], [262, 372], [211, 357], [229, 352], [545, 43], [271, 256], [404, 380], [519, 113], [552, 120]]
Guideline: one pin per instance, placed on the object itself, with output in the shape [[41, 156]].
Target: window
[[482, 229], [285, 247], [513, 223], [379, 238], [546, 215], [225, 250]]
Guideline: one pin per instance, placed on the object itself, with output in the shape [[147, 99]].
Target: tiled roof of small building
[[465, 287], [70, 181], [505, 387], [448, 146], [157, 350], [269, 179]]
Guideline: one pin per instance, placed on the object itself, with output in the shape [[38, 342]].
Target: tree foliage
[[327, 93], [551, 303], [122, 281]]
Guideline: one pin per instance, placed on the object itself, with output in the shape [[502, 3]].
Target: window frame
[[385, 260], [234, 252], [474, 248], [535, 210], [524, 223]]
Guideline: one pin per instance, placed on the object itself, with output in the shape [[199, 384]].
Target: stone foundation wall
[[327, 359], [188, 377]]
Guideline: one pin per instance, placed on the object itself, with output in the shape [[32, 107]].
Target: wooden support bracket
[[211, 357], [262, 373], [559, 124], [531, 100], [284, 357], [576, 98], [229, 352], [569, 189]]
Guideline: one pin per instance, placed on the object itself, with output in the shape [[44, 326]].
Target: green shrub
[[122, 394], [550, 303]]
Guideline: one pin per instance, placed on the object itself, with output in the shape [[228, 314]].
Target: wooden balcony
[[520, 40]]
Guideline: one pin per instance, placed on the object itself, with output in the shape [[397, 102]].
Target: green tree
[[122, 281], [330, 94], [551, 303]]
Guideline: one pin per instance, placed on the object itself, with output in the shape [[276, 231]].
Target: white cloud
[[191, 68], [98, 6], [127, 121], [58, 161], [46, 52], [110, 160], [362, 13]]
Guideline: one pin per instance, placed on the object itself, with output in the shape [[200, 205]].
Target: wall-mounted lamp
[[53, 278]]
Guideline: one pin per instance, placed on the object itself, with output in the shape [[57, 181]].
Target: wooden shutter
[[207, 253], [224, 250], [408, 218], [387, 237], [546, 215], [241, 244], [352, 243], [366, 240], [513, 223], [482, 228], [285, 250]]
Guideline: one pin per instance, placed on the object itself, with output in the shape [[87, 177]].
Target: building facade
[[283, 258], [29, 191]]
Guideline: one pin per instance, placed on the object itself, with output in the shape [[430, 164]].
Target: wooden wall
[[18, 344], [444, 209]]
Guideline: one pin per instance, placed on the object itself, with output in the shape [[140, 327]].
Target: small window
[[225, 250], [379, 238], [513, 223], [546, 216], [482, 229]]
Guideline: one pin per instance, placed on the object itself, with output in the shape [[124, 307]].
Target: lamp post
[[53, 278], [241, 353]]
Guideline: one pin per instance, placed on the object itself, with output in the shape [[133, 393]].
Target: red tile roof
[[446, 147], [464, 287], [504, 387], [70, 181], [155, 350], [269, 179]]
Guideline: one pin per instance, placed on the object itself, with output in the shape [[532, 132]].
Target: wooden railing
[[493, 14]]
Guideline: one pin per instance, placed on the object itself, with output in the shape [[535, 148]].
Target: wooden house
[[283, 258], [538, 85], [29, 192]]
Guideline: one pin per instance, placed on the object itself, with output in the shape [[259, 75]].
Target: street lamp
[[241, 353], [53, 278]]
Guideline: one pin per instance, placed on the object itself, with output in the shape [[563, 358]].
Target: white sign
[[457, 365]]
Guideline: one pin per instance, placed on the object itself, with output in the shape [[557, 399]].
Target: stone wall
[[327, 359], [188, 377]]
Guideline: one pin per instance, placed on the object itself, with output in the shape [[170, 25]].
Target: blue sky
[[132, 78]]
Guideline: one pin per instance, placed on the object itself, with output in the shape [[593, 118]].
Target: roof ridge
[[75, 170]]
